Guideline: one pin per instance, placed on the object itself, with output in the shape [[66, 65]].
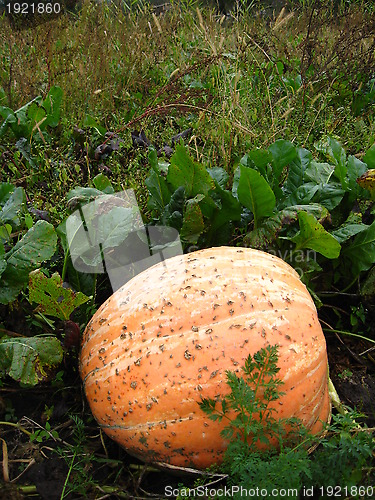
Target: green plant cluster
[[343, 457], [278, 199]]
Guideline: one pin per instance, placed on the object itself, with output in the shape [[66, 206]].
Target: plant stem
[[350, 334], [18, 426], [68, 475], [65, 265]]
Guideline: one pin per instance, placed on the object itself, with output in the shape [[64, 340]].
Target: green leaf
[[172, 215], [347, 231], [81, 195], [3, 262], [356, 168], [369, 157], [52, 104], [313, 235], [12, 207], [82, 282], [5, 232], [302, 195], [102, 183], [29, 360], [297, 169], [263, 237], [361, 251], [90, 122], [36, 117], [52, 297], [335, 152], [219, 175], [10, 119], [255, 194], [320, 173], [329, 195], [6, 189], [159, 194], [283, 153], [23, 147], [38, 245], [35, 247], [227, 208], [258, 159], [115, 226], [184, 171], [193, 223]]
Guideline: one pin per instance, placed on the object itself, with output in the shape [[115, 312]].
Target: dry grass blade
[[5, 462]]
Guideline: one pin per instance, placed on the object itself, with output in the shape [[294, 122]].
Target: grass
[[238, 82]]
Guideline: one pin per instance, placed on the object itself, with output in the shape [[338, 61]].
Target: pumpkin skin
[[166, 338]]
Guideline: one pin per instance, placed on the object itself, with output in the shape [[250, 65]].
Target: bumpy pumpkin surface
[[166, 338]]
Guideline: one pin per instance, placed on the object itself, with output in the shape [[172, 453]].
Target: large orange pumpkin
[[166, 338]]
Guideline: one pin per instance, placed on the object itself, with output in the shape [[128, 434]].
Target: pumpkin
[[166, 338]]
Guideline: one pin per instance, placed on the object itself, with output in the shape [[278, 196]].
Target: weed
[[79, 477], [343, 457], [42, 434]]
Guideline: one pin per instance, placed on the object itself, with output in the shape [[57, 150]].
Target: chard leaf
[[79, 195], [38, 245], [297, 169], [36, 117], [24, 148], [356, 168], [336, 153], [159, 194], [193, 223], [258, 159], [184, 171], [347, 231], [361, 251], [263, 237], [172, 215], [313, 235], [102, 183], [115, 226], [12, 207], [329, 195], [229, 209], [369, 157], [255, 194], [29, 360], [320, 173], [283, 153], [302, 195], [3, 262], [219, 175], [10, 119], [6, 189]]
